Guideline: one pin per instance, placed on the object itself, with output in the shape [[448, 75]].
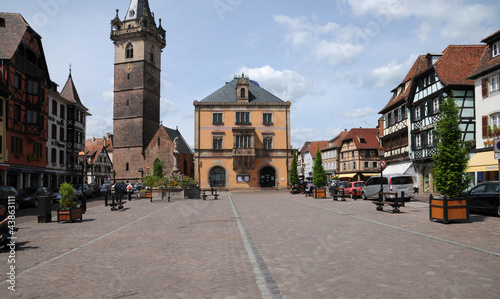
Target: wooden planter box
[[449, 209], [320, 193], [69, 215]]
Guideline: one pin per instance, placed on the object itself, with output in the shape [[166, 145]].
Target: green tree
[[294, 176], [450, 162], [319, 174]]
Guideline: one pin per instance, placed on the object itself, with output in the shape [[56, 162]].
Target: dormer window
[[495, 49], [129, 51], [2, 22], [242, 93]]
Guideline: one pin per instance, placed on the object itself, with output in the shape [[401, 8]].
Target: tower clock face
[[129, 67]]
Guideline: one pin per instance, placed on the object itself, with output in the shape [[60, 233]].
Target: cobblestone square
[[266, 244]]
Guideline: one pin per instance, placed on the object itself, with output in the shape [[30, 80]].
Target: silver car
[[391, 184]]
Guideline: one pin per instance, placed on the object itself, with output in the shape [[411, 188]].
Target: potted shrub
[[68, 211], [319, 176], [449, 165]]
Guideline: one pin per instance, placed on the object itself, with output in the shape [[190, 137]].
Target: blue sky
[[336, 61]]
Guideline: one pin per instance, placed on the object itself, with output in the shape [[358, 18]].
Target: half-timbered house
[[445, 75], [25, 74], [395, 124]]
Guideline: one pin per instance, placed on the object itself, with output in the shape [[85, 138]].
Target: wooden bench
[[396, 204], [213, 192]]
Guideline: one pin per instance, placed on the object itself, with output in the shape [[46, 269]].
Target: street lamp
[[81, 160], [381, 152]]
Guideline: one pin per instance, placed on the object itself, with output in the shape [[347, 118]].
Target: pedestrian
[[129, 191], [4, 228]]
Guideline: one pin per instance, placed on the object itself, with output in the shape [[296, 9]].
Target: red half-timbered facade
[[25, 74]]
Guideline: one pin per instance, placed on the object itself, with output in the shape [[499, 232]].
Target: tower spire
[[138, 8]]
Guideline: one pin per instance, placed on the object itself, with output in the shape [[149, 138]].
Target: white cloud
[[167, 106], [453, 20], [286, 84], [390, 74], [357, 113], [330, 42], [99, 123]]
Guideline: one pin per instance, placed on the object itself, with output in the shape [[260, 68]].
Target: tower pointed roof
[[137, 8], [69, 92]]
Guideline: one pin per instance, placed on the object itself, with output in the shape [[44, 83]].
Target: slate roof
[[368, 134], [69, 92], [486, 63], [136, 9], [457, 63], [183, 147], [227, 94], [420, 65], [12, 34]]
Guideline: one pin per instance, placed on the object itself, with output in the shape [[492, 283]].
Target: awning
[[370, 174], [346, 175], [484, 161], [400, 168]]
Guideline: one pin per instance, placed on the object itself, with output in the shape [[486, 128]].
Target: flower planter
[[319, 193], [70, 214], [448, 209]]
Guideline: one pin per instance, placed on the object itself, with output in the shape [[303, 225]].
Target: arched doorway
[[268, 177], [217, 177]]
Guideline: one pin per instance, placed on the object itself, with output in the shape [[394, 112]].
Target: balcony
[[243, 152]]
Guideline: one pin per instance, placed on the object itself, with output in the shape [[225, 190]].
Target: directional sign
[[383, 163]]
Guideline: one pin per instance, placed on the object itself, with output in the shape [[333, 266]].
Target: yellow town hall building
[[242, 138]]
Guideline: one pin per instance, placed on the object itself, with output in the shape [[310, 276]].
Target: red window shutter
[[484, 87], [485, 126]]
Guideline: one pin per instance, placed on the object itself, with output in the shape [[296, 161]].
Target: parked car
[[484, 197], [354, 188], [31, 196], [96, 190], [78, 191], [56, 196], [5, 192], [105, 189], [87, 191], [337, 187], [391, 183]]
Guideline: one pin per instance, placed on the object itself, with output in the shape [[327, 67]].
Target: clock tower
[[136, 102]]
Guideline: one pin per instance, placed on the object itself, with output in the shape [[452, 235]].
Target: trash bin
[[44, 209]]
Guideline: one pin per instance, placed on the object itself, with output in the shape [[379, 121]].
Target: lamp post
[[81, 160], [381, 152]]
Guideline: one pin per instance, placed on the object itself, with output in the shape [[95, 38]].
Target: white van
[[391, 183]]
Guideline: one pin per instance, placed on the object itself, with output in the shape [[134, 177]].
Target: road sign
[[497, 145], [497, 156], [383, 163]]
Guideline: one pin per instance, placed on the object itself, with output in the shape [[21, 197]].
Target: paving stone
[[310, 248]]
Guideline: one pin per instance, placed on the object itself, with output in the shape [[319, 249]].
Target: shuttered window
[[484, 126], [484, 87]]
